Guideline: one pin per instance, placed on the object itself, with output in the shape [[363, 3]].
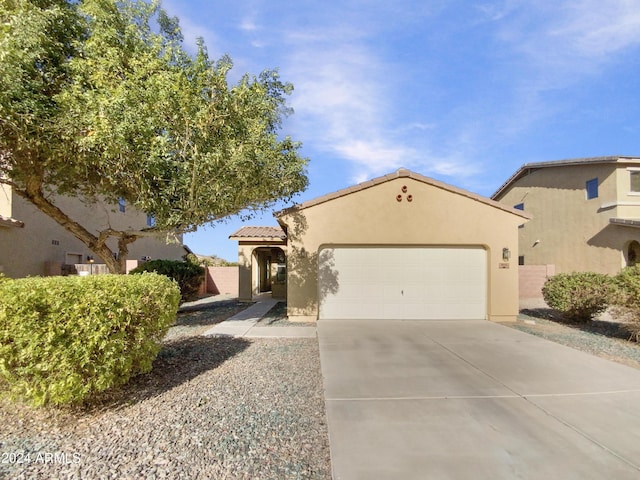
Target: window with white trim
[[634, 181]]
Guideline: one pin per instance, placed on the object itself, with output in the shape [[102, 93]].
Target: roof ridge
[[400, 173]]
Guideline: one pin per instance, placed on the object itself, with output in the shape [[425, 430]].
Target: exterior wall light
[[506, 254]]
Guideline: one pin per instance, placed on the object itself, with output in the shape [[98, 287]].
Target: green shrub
[[627, 299], [188, 275], [63, 339], [579, 296]]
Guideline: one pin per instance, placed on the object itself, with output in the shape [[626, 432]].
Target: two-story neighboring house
[[31, 243], [586, 213]]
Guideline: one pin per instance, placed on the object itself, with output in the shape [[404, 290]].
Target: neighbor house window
[[520, 206], [592, 188], [151, 221], [121, 205], [520, 259], [634, 175]]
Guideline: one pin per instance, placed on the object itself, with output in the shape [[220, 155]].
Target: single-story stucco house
[[401, 246]]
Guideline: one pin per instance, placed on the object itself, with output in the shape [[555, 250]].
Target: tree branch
[[33, 193]]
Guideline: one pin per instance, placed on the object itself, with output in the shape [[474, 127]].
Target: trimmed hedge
[[63, 339], [188, 275], [627, 299], [579, 296]]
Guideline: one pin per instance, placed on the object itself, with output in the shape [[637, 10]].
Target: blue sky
[[461, 91]]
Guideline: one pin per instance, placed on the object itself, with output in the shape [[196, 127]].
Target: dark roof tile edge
[[243, 233], [10, 222]]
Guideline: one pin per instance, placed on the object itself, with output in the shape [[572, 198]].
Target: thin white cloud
[[545, 48], [347, 79], [340, 96], [192, 30], [248, 24], [596, 29], [563, 41], [495, 10]]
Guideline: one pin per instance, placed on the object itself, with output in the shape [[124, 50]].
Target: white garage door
[[402, 283]]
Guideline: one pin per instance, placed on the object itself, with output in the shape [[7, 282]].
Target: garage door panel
[[403, 283]]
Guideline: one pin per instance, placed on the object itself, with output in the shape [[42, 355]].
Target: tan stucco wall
[[569, 231], [628, 202], [6, 199], [24, 251], [374, 217]]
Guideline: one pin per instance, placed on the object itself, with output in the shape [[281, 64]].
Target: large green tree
[[100, 100]]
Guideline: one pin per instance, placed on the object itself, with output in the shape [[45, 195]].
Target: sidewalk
[[243, 324]]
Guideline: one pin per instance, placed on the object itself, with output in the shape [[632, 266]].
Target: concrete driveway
[[473, 400]]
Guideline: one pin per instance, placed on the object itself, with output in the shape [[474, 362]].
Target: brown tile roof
[[10, 222], [401, 173], [270, 233], [528, 167]]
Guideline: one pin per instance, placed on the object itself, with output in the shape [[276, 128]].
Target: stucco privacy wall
[[438, 215], [220, 280], [532, 279]]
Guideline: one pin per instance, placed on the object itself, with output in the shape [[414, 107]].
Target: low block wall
[[220, 280], [532, 278]]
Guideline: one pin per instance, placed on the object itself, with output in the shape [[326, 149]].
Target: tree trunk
[[34, 194]]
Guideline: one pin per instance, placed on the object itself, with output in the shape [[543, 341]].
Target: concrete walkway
[[245, 324], [473, 400]]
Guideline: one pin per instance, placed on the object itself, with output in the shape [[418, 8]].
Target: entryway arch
[[632, 253], [268, 266]]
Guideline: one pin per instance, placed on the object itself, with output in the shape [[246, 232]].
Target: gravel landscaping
[[604, 336], [196, 320], [212, 407]]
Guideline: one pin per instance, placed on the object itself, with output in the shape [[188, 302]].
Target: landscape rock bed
[[193, 321], [212, 407], [603, 337]]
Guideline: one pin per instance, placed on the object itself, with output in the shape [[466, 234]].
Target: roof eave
[[401, 173], [11, 222], [527, 167], [257, 239], [625, 222]]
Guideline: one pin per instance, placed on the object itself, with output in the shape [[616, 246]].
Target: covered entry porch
[[262, 262]]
